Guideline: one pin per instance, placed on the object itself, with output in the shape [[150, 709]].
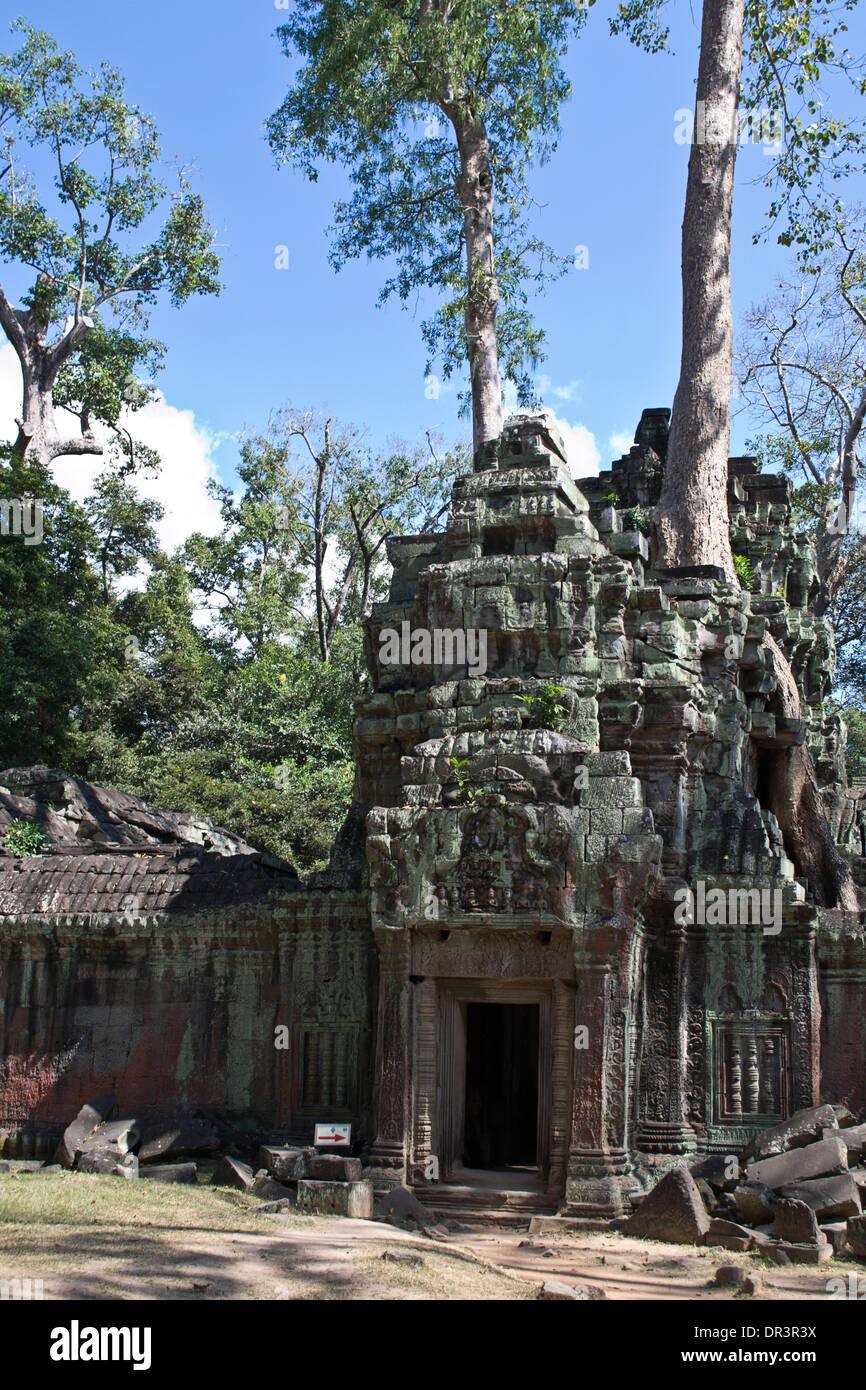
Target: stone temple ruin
[[501, 966]]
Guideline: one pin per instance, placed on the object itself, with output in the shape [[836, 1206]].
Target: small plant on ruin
[[637, 519], [465, 793], [24, 839], [745, 573], [546, 709]]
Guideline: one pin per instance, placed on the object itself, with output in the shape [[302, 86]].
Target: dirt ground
[[89, 1237]]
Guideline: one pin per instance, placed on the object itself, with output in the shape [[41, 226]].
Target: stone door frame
[[448, 1072]]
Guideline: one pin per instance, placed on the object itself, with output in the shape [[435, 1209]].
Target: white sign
[[340, 1135]]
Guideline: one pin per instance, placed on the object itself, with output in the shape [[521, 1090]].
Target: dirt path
[[624, 1268], [88, 1237]]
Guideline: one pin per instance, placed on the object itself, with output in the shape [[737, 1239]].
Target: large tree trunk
[[482, 300], [38, 435], [797, 806], [691, 519]]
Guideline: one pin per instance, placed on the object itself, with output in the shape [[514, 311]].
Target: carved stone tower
[[536, 811]]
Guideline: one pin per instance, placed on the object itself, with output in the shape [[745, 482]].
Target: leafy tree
[[802, 369], [794, 42], [301, 548], [84, 238], [437, 108], [791, 48], [59, 643], [124, 526], [855, 749]]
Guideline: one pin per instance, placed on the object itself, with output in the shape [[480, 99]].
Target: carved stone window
[[752, 1070]]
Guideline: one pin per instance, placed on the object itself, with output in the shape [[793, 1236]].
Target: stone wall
[[182, 1009]]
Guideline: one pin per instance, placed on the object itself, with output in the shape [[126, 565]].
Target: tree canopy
[[437, 111], [85, 212]]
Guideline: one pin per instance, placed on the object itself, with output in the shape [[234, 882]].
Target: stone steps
[[497, 1207]]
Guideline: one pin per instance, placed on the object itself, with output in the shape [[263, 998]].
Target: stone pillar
[[392, 1075], [599, 1176], [666, 1128]]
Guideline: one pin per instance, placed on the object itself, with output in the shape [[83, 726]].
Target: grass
[[92, 1236]]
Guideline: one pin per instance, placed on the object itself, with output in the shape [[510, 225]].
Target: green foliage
[[466, 794], [855, 748], [233, 712], [792, 54], [745, 573], [59, 643], [378, 90], [24, 839], [547, 710], [103, 228], [637, 519]]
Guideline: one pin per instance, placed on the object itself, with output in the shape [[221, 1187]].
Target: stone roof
[[109, 853], [73, 812], [138, 882]]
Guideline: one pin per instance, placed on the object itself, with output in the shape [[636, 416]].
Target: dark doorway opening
[[501, 1128], [764, 763]]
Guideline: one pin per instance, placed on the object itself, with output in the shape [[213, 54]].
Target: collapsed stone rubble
[[796, 1194]]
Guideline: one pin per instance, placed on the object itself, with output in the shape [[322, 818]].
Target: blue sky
[[212, 73]]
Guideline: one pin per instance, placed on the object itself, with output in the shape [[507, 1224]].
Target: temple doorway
[[501, 1112]]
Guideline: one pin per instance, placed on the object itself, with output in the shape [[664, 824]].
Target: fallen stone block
[[715, 1170], [175, 1134], [836, 1232], [673, 1211], [286, 1165], [797, 1235], [401, 1205], [779, 1255], [95, 1113], [230, 1172], [745, 1281], [761, 1241], [831, 1199], [786, 1253], [335, 1168], [117, 1134], [268, 1189], [821, 1160], [336, 1198], [800, 1129], [111, 1161], [403, 1257], [278, 1208], [170, 1172], [856, 1229], [845, 1119], [728, 1234], [709, 1196], [854, 1140], [554, 1290], [755, 1203]]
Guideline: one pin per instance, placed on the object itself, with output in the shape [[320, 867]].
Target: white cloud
[[184, 447], [580, 447], [621, 442], [570, 392]]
